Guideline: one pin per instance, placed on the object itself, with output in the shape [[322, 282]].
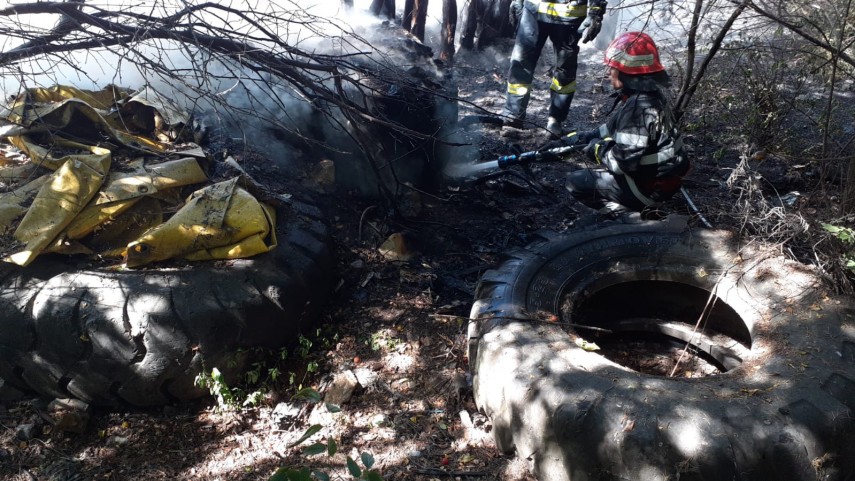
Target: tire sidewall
[[581, 414]]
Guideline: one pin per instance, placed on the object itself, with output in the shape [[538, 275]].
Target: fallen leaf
[[588, 346]]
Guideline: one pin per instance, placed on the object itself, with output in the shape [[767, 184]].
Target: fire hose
[[506, 161]]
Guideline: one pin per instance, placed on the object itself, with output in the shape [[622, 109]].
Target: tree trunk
[[689, 90], [382, 8], [415, 16], [483, 21], [470, 24], [449, 27]]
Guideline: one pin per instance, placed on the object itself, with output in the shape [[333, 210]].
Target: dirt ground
[[397, 327]]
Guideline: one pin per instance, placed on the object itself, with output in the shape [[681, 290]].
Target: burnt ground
[[398, 326]]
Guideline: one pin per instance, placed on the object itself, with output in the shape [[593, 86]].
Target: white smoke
[[250, 105]]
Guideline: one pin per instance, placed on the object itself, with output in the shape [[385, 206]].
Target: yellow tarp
[[220, 221], [112, 179]]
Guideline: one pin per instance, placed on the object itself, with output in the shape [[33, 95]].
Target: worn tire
[[786, 412], [140, 337]]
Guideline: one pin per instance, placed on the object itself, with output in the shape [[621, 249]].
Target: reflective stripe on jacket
[[564, 11], [646, 144]]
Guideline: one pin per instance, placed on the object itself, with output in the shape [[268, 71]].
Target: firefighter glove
[[594, 22], [596, 149], [569, 140], [515, 11]]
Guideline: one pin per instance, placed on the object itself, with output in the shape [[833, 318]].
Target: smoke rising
[[258, 107]]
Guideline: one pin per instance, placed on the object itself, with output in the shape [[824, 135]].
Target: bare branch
[[825, 45]]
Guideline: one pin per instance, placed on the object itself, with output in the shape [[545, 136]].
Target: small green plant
[[261, 368], [382, 339], [228, 398], [330, 448], [305, 346], [216, 385], [845, 235]]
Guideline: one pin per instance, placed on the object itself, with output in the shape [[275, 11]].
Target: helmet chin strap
[[618, 96]]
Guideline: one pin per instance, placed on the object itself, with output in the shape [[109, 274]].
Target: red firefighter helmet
[[634, 53]]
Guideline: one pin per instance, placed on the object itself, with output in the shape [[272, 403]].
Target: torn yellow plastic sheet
[[73, 132], [221, 221], [112, 238], [99, 99], [123, 189], [59, 200], [84, 113], [12, 203], [164, 115]]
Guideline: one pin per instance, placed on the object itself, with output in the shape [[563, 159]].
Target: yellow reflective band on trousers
[[562, 89], [518, 89], [562, 10]]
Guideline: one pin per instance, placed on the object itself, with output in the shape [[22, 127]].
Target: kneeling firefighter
[[639, 151]]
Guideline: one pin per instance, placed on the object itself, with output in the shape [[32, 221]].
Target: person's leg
[[599, 189], [565, 41], [529, 43]]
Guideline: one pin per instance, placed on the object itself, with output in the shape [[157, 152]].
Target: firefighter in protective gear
[[639, 149], [560, 22]]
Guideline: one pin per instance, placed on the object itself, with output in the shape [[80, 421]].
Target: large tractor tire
[[780, 406], [140, 337]]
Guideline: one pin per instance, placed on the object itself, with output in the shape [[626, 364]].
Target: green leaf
[[373, 476], [321, 476], [332, 408], [844, 234], [315, 449], [353, 468], [332, 448], [285, 474], [281, 474], [301, 475], [313, 429], [367, 460], [308, 394]]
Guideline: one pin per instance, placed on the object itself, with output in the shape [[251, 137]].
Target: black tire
[[787, 411], [140, 337]]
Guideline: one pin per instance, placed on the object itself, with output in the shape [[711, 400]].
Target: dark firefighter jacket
[[642, 142], [567, 11]]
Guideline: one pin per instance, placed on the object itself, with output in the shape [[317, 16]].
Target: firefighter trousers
[[530, 39], [598, 188]]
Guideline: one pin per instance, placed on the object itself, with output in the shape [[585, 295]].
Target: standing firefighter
[[639, 149], [558, 20]]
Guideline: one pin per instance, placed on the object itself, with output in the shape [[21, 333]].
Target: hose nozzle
[[506, 161]]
